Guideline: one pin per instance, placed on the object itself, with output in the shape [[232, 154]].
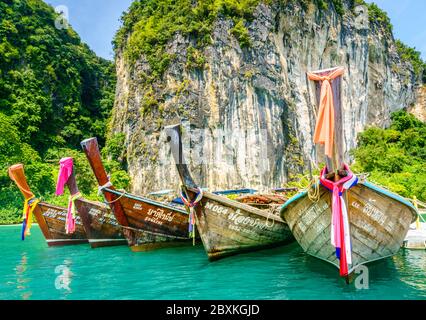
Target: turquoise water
[[27, 271]]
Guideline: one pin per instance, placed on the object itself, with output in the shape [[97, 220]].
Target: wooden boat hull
[[228, 227], [51, 220], [152, 224], [100, 224], [147, 224], [378, 222]]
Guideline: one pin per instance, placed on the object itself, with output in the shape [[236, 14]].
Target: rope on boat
[[123, 193], [314, 189], [267, 220], [107, 185], [191, 205], [101, 188]]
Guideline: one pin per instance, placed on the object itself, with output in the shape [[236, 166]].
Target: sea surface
[[31, 270]]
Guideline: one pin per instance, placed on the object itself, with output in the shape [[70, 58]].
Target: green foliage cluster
[[395, 157], [322, 5], [53, 88], [148, 25], [414, 57], [54, 91], [380, 17], [195, 59], [241, 33], [42, 173]]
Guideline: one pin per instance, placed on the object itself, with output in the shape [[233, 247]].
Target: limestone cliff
[[254, 102], [419, 108]]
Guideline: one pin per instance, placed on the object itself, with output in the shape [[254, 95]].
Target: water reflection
[[411, 268], [31, 270], [64, 277], [21, 277]]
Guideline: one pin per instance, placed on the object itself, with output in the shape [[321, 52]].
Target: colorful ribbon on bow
[[324, 128], [340, 233], [65, 172], [191, 205], [71, 213], [29, 207]]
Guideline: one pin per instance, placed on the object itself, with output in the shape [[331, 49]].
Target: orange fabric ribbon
[[324, 128]]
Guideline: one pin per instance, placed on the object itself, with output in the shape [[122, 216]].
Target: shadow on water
[[31, 270]]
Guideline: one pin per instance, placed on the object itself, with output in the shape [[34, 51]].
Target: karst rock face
[[248, 116]]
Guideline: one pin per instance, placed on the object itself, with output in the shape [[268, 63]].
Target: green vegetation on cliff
[[412, 56], [53, 88], [54, 91], [395, 157], [149, 25]]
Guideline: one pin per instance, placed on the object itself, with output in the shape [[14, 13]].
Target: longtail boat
[[344, 219], [51, 219], [147, 224], [100, 225], [226, 227]]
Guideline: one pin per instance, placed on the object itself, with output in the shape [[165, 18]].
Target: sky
[[97, 21], [409, 21]]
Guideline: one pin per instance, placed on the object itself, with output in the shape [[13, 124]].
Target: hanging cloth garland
[[324, 128], [71, 213], [340, 235], [29, 207], [65, 172], [191, 205]]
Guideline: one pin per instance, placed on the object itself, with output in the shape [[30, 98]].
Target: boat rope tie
[[191, 205], [29, 207], [123, 193], [314, 189], [71, 213], [106, 185], [340, 235], [267, 221], [324, 128]]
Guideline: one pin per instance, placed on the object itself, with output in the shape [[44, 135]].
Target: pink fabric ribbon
[[65, 172], [340, 236]]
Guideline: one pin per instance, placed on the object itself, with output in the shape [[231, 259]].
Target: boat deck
[[416, 238]]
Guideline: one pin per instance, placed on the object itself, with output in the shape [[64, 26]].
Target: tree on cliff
[[54, 91]]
